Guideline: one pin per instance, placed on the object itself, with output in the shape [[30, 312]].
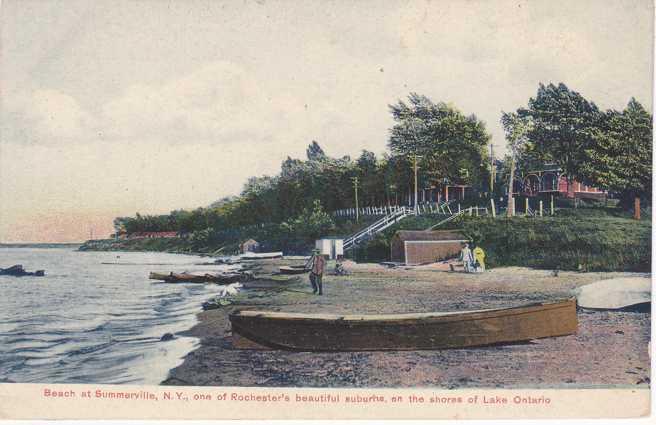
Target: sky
[[110, 108]]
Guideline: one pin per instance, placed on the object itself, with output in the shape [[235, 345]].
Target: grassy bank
[[583, 239], [587, 239], [271, 236]]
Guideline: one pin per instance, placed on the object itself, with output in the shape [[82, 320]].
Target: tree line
[[608, 149], [451, 148]]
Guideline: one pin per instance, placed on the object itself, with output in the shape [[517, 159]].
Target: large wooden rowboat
[[420, 331]]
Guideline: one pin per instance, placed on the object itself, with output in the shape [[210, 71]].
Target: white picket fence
[[422, 208]]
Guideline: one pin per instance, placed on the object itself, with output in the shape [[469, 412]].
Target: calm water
[[88, 322]]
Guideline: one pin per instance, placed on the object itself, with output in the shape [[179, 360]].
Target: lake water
[[88, 322]]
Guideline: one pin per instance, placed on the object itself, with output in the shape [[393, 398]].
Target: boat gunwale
[[402, 318]]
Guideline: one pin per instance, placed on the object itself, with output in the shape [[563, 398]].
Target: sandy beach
[[609, 349]]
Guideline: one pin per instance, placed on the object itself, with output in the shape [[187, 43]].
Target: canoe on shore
[[293, 270], [221, 278], [391, 332], [260, 255]]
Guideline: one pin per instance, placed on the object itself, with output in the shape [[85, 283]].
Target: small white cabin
[[331, 247]]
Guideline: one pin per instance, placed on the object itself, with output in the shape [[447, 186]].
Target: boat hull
[[293, 270], [426, 331], [193, 278], [260, 256]]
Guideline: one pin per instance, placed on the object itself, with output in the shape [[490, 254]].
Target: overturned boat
[[293, 270], [391, 332], [631, 294], [220, 278]]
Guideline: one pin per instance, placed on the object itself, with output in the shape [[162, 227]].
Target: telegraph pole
[[415, 167], [414, 162], [493, 170], [355, 184]]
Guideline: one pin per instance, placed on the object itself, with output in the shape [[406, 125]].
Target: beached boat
[[222, 278], [260, 255], [416, 331], [293, 270]]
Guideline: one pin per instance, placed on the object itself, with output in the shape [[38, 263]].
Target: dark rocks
[[167, 337], [18, 271]]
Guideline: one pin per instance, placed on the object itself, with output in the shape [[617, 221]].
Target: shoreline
[[610, 349]]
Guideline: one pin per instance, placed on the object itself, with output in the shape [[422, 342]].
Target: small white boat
[[260, 255], [624, 293]]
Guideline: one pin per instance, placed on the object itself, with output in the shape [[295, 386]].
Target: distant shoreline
[[40, 245]]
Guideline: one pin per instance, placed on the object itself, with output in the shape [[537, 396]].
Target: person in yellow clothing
[[479, 259]]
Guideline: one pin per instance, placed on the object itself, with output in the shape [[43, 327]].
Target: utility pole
[[414, 162], [357, 213], [415, 167], [493, 170]]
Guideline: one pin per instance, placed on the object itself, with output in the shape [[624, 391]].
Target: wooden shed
[[250, 245], [418, 246]]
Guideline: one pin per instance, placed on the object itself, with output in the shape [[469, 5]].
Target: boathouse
[[250, 245], [418, 247]]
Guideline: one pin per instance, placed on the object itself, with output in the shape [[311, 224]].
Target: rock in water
[[167, 337], [624, 293]]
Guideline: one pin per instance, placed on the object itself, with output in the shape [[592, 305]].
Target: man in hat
[[318, 265]]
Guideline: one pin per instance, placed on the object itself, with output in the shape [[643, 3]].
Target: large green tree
[[451, 145], [563, 127], [620, 157]]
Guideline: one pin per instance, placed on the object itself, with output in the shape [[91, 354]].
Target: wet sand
[[609, 349]]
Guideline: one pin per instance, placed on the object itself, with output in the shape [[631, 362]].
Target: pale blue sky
[[114, 107]]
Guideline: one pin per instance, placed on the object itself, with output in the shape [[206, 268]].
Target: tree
[[369, 173], [516, 129], [312, 223], [452, 145], [314, 152], [563, 126], [620, 157]]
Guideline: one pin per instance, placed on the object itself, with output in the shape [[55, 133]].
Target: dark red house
[[551, 180]]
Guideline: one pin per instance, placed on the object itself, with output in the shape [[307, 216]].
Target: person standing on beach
[[316, 272], [479, 259], [467, 258]]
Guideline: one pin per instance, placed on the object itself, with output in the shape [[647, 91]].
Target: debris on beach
[[622, 294], [222, 299], [232, 289]]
